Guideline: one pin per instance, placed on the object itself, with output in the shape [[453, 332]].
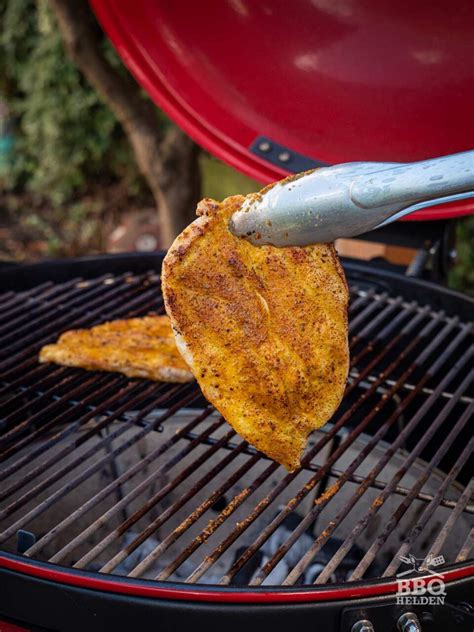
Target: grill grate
[[134, 478]]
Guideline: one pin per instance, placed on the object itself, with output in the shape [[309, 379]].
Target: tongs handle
[[350, 199], [415, 182]]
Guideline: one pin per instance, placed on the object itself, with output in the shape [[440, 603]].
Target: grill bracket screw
[[409, 622], [364, 625]]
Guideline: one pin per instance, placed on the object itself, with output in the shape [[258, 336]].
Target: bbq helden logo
[[429, 589]]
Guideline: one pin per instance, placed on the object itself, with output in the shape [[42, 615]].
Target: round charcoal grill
[[135, 500]]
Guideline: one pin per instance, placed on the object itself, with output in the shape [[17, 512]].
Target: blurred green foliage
[[64, 136], [461, 276], [219, 181]]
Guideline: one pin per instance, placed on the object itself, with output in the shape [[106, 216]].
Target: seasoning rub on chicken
[[263, 329], [138, 347]]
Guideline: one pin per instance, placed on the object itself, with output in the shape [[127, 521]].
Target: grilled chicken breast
[[263, 329], [138, 347]]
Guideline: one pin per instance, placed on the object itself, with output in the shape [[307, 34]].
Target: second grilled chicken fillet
[[264, 329], [137, 347]]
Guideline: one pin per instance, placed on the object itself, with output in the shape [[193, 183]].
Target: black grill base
[[31, 601]]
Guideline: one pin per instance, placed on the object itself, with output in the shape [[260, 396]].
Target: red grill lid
[[273, 87]]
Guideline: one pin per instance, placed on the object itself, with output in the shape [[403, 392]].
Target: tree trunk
[[169, 162]]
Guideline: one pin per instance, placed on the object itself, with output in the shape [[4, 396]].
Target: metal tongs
[[350, 199]]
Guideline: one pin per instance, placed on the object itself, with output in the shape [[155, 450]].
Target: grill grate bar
[[172, 509], [194, 516], [27, 380], [466, 547], [466, 399], [369, 347], [393, 324], [366, 312], [357, 299], [93, 291], [18, 297], [156, 498], [36, 388], [389, 299], [321, 502], [381, 316], [402, 508], [119, 390], [42, 311], [450, 523], [429, 510], [266, 474], [359, 302], [130, 389], [8, 377], [32, 436], [85, 474], [109, 304], [353, 478], [379, 301], [34, 299], [271, 527], [381, 498], [130, 496], [214, 524], [367, 332], [79, 387]]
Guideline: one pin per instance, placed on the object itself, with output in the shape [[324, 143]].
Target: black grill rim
[[212, 592]]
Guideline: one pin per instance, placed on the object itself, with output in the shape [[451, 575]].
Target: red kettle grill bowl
[[334, 80]]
